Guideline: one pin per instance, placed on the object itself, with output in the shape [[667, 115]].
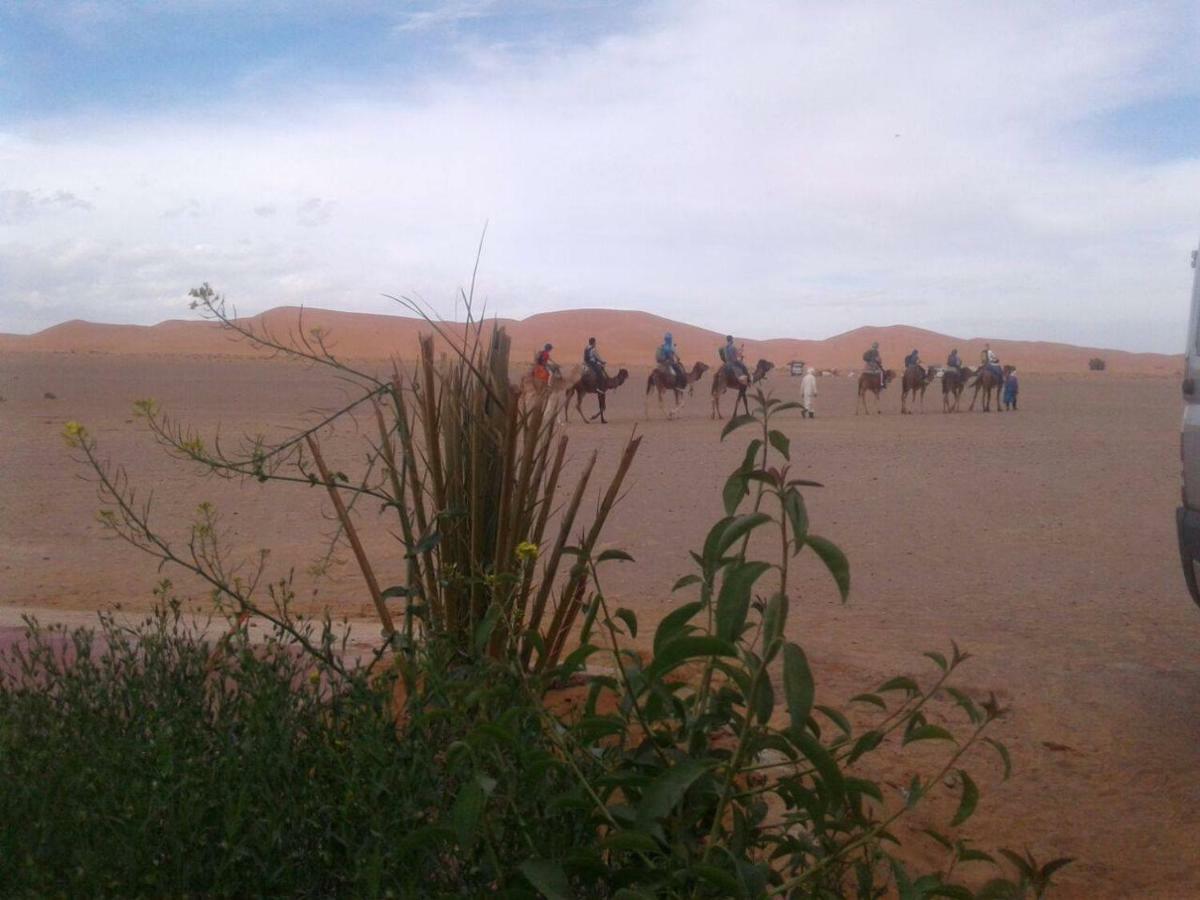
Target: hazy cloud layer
[[766, 170]]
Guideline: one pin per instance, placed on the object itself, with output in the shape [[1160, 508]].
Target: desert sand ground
[[1042, 541]]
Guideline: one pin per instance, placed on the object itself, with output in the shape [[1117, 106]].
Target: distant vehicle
[[796, 367], [1187, 517]]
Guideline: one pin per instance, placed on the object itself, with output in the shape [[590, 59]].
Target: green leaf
[[673, 623], [735, 423], [614, 554], [774, 620], [970, 798], [718, 878], [763, 701], [1004, 757], [836, 717], [750, 457], [937, 658], [735, 489], [627, 616], [797, 513], [969, 854], [483, 632], [685, 581], [1053, 866], [548, 877], [873, 699], [899, 683], [712, 543], [733, 601], [798, 685], [865, 744], [835, 561], [630, 840], [738, 528], [927, 733], [427, 543], [397, 590], [466, 812], [780, 442], [666, 791], [939, 837], [681, 649], [822, 761], [966, 703]]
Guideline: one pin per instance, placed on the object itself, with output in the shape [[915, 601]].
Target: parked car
[[796, 367], [1187, 517]]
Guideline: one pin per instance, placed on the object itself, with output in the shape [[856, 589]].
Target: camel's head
[[760, 371], [889, 376], [699, 369], [622, 375], [1008, 370]]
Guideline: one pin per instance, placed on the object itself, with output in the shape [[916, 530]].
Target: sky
[[1018, 170]]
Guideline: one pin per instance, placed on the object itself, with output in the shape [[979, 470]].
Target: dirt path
[[1043, 542]]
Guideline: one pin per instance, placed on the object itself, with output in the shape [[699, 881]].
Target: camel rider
[[873, 360], [990, 360], [953, 361], [913, 359], [667, 357], [543, 365], [591, 359], [732, 357]]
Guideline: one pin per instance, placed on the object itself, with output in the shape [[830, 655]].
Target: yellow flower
[[74, 433], [527, 551]]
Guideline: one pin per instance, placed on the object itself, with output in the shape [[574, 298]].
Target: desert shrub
[[1096, 364], [153, 761]]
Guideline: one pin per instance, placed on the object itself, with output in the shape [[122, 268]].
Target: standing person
[[591, 359], [1011, 388], [808, 392]]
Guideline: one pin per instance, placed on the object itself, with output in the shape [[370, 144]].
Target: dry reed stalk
[[567, 611], [360, 554]]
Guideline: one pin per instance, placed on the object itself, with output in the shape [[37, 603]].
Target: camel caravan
[[990, 378], [673, 384]]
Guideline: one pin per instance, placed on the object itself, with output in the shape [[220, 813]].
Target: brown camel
[[589, 383], [986, 380], [674, 382], [915, 380], [872, 382], [725, 379], [952, 387]]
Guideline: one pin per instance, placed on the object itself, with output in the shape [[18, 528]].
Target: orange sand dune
[[625, 338]]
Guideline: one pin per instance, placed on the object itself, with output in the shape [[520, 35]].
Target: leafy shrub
[[1096, 364]]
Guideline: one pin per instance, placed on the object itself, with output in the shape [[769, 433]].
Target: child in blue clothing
[[1011, 387]]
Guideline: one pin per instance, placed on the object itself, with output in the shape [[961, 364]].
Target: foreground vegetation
[[505, 737]]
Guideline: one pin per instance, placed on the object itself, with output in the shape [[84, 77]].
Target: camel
[[952, 386], [986, 379], [672, 382], [916, 379], [724, 379], [588, 383], [873, 382]]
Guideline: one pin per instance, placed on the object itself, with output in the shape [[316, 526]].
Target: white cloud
[[775, 169]]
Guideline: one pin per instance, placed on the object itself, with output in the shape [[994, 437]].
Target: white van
[[1187, 517]]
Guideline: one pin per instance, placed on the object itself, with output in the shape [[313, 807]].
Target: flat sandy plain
[[1042, 541]]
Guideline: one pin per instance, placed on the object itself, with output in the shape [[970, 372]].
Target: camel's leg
[[903, 397], [579, 406], [567, 406], [600, 397]]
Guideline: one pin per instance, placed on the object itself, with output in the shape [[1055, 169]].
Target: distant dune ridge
[[625, 338]]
